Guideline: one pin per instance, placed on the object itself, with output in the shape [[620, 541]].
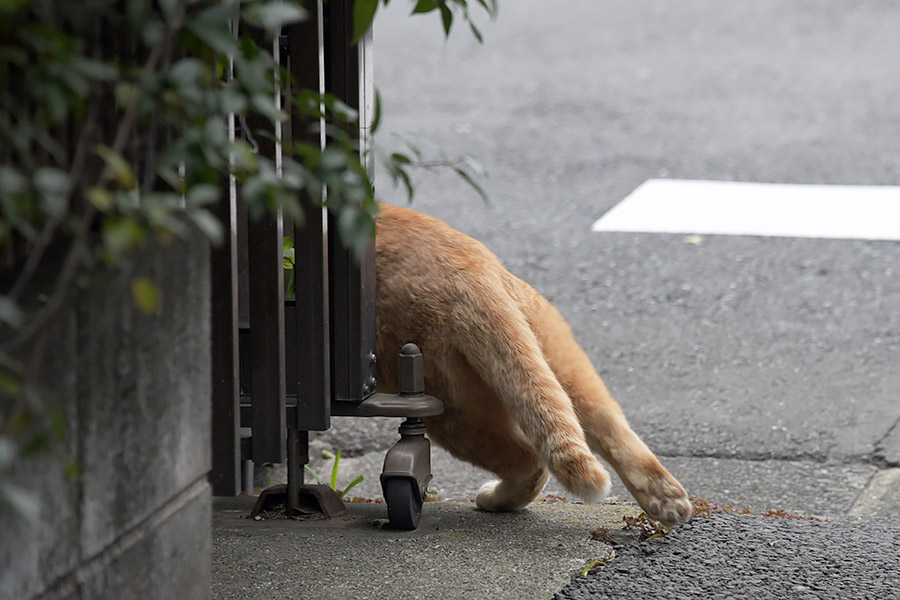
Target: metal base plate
[[313, 498]]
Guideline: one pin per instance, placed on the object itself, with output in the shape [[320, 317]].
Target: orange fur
[[520, 396]]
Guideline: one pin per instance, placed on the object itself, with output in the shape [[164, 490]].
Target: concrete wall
[[135, 391]]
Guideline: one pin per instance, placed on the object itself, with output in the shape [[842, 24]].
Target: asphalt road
[[750, 557], [761, 370]]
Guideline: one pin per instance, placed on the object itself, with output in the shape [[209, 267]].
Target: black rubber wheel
[[404, 502]]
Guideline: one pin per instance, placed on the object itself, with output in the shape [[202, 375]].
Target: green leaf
[[232, 100], [334, 470], [187, 73], [146, 295], [490, 6], [208, 224], [217, 14], [314, 474], [53, 186], [212, 31], [10, 313], [340, 110], [100, 197], [10, 364], [476, 32], [12, 181], [38, 442], [475, 166], [288, 252], [120, 235], [58, 425], [202, 194], [272, 15], [473, 184], [264, 104], [93, 69], [334, 158], [352, 485], [592, 565], [70, 468], [424, 6], [7, 452], [363, 15], [446, 18], [123, 92], [11, 6], [356, 228], [169, 7], [116, 167], [9, 385], [407, 183], [376, 118], [22, 502]]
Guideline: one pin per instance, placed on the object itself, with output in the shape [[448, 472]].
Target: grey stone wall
[[135, 391]]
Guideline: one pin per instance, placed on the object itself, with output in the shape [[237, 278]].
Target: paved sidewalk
[[459, 552]]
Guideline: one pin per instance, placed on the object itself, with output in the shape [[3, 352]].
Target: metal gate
[[282, 367]]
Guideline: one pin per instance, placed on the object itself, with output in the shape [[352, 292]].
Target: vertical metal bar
[[247, 477], [297, 456], [352, 282], [267, 339], [311, 311], [225, 476], [266, 286]]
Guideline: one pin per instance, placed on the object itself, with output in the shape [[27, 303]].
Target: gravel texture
[[745, 556]]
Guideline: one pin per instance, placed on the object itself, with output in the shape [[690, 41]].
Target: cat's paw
[[582, 474], [661, 496], [487, 497]]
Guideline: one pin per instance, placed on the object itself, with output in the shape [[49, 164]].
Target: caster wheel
[[404, 502]]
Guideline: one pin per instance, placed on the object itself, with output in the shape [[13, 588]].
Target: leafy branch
[[364, 13], [113, 144]]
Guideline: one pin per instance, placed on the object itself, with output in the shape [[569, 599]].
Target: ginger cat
[[520, 395]]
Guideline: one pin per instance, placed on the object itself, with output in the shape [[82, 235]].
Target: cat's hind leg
[[493, 336], [477, 428], [501, 449], [605, 427], [512, 493]]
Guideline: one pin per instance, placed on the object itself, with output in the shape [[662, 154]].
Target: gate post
[[352, 283], [309, 352], [225, 474]]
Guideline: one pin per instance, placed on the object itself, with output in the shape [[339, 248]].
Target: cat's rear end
[[521, 397]]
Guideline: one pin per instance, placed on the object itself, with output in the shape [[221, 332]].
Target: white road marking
[[764, 209]]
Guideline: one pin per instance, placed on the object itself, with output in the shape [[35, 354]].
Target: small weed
[[601, 534], [598, 563], [648, 528], [334, 474], [781, 514], [705, 508]]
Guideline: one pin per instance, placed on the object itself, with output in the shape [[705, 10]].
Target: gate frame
[[283, 367]]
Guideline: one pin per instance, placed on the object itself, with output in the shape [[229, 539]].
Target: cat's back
[[423, 246], [427, 272]]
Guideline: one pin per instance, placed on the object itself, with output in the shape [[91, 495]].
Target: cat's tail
[[498, 342]]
